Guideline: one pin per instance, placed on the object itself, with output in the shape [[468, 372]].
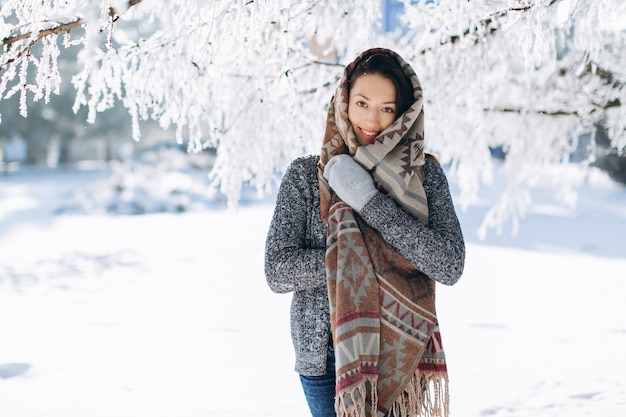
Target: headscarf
[[397, 154], [388, 352]]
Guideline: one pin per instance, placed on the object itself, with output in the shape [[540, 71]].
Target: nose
[[372, 117]]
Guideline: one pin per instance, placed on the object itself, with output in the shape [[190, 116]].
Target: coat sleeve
[[295, 245], [437, 250]]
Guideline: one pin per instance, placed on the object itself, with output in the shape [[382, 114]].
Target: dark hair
[[388, 67]]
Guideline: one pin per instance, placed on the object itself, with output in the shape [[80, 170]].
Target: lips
[[368, 134]]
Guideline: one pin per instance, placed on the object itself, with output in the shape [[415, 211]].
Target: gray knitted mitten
[[350, 181]]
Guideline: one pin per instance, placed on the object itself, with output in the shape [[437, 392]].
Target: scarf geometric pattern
[[388, 351]]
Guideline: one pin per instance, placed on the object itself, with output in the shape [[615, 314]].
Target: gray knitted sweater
[[296, 246]]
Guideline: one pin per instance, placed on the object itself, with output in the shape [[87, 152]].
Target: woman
[[360, 234]]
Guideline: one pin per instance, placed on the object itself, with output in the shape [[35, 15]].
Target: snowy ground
[[168, 315]]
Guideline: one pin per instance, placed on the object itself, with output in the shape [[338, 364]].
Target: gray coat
[[296, 247]]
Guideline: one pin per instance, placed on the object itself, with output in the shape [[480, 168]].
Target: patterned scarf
[[388, 350]]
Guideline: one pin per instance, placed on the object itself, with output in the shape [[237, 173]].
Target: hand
[[350, 181]]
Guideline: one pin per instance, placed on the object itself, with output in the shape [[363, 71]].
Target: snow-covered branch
[[252, 78], [57, 28], [61, 27]]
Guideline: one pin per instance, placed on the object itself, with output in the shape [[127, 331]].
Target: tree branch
[[485, 22], [554, 113], [9, 41], [537, 112], [506, 11]]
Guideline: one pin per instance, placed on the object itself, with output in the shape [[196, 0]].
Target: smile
[[369, 133]]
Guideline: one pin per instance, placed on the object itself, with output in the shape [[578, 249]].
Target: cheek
[[353, 117], [350, 112], [388, 120]]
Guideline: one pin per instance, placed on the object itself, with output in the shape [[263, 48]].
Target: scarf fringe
[[426, 395], [351, 403]]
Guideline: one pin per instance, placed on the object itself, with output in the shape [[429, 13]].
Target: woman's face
[[371, 106]]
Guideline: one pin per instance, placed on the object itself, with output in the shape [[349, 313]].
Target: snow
[[169, 314]]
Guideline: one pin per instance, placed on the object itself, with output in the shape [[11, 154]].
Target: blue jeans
[[320, 390]]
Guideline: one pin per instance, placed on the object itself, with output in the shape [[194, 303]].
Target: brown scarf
[[387, 343]]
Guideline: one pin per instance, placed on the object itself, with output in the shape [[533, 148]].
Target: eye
[[389, 110], [360, 103]]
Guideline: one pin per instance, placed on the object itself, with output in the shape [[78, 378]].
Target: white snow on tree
[[251, 78]]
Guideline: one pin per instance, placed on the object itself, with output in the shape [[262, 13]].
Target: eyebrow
[[386, 102]]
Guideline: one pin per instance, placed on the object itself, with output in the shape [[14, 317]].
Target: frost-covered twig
[[8, 42], [34, 38]]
